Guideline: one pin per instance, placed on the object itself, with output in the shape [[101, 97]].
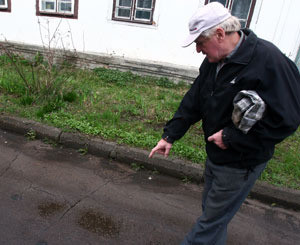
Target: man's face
[[209, 47]]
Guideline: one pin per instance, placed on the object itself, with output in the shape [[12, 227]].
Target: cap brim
[[190, 39]]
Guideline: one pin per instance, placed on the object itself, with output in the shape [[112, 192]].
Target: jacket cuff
[[226, 137], [168, 138]]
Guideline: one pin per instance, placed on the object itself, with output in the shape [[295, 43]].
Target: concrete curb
[[262, 191]]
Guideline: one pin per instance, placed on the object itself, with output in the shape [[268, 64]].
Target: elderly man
[[248, 98]]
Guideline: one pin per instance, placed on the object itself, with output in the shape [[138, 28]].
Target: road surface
[[53, 195]]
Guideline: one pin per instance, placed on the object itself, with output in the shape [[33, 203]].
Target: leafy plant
[[83, 151], [136, 166], [27, 100], [50, 106], [155, 171], [31, 135], [50, 142], [186, 180], [70, 96]]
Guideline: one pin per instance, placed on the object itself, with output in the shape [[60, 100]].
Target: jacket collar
[[244, 53]]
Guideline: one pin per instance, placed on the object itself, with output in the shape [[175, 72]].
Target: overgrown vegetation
[[118, 106]]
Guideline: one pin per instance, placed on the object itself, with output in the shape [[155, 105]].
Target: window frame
[[56, 13], [250, 12], [6, 7], [133, 9]]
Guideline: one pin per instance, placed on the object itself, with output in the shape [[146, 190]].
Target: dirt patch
[[97, 222], [50, 208]]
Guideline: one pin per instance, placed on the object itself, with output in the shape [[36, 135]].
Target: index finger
[[152, 152]]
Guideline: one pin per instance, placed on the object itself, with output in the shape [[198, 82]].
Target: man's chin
[[212, 60]]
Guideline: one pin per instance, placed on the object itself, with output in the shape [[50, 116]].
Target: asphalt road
[[53, 195]]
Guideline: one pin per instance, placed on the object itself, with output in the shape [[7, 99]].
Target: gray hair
[[232, 24]]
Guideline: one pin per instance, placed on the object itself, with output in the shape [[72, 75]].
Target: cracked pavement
[[55, 195]]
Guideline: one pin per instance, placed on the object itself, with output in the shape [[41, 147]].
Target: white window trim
[[56, 7], [133, 9], [5, 5]]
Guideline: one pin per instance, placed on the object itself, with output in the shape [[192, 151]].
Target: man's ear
[[220, 34]]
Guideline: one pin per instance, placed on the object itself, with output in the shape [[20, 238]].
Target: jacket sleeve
[[187, 114], [280, 90]]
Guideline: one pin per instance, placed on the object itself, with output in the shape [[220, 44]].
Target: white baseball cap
[[205, 18]]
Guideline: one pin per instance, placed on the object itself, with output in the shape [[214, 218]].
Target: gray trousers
[[225, 190]]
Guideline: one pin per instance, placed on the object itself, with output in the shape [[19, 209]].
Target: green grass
[[284, 167], [125, 108]]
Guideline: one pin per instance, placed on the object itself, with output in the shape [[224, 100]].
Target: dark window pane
[[123, 13], [142, 14], [220, 1], [144, 4], [66, 7], [240, 8], [47, 5], [243, 23], [125, 3], [2, 2]]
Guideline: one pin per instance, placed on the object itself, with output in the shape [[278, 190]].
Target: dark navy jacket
[[257, 65]]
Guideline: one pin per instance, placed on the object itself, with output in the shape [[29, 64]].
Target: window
[[5, 6], [242, 9], [139, 11], [61, 8]]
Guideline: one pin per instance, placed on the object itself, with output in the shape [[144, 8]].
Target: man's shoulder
[[263, 46], [273, 55], [267, 47]]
